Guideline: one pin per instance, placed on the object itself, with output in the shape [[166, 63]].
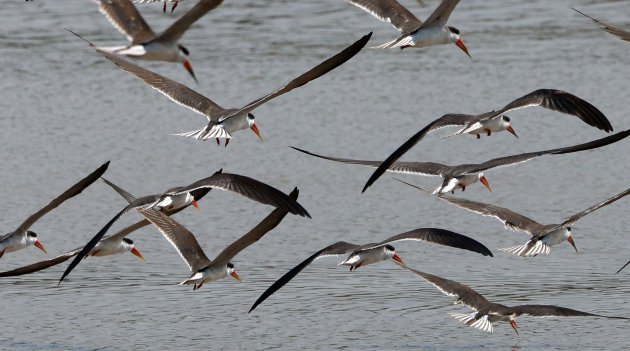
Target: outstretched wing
[[249, 188], [390, 11], [123, 15], [73, 191], [463, 293], [337, 249], [576, 217], [550, 310], [266, 225], [441, 14], [510, 219], [441, 237], [178, 93], [620, 33], [515, 159], [555, 100], [419, 168], [177, 29], [314, 73]]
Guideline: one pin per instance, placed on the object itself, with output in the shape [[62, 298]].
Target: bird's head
[[252, 125], [184, 56], [128, 244], [31, 238], [390, 252], [507, 125], [230, 270], [455, 37]]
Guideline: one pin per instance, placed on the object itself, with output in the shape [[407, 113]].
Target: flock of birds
[[144, 44]]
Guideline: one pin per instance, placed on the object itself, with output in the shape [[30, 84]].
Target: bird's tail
[[399, 42], [217, 131], [469, 319], [530, 248]]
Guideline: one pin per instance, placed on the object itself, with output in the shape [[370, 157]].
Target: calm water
[[65, 110]]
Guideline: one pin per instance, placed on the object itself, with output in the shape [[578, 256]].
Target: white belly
[[152, 52], [430, 36], [236, 123], [13, 243], [206, 275], [494, 125], [556, 237]]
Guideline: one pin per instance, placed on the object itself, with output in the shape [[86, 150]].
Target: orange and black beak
[[514, 326], [235, 276], [188, 67], [460, 44], [570, 240], [39, 245], [137, 253], [484, 181], [511, 130], [255, 130], [398, 259], [195, 204]]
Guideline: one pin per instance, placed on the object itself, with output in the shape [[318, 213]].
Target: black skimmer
[[496, 121], [181, 196], [23, 237], [461, 176], [362, 255], [202, 268], [620, 33], [414, 32], [145, 44], [117, 243], [543, 235], [175, 3], [487, 312], [223, 122], [112, 245]]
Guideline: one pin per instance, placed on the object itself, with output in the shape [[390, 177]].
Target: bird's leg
[[218, 142], [463, 187], [174, 6], [2, 252], [164, 8], [478, 136], [227, 141], [488, 131]]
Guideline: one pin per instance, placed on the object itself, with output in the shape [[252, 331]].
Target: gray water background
[[66, 110]]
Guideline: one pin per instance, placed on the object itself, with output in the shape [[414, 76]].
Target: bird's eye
[[506, 118]]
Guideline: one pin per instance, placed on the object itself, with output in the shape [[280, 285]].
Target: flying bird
[[362, 255], [117, 243], [496, 121], [202, 268], [620, 33], [461, 176], [414, 32], [543, 236], [182, 196], [144, 43], [23, 237], [223, 122], [487, 312]]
